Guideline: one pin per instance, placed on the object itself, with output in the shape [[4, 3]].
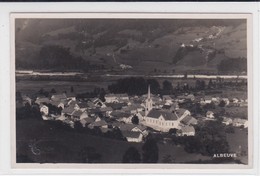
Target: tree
[[135, 120], [154, 84], [150, 151], [222, 103], [71, 89], [53, 91], [131, 156], [210, 84], [167, 86]]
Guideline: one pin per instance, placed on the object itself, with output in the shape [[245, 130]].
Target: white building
[[161, 120], [44, 109]]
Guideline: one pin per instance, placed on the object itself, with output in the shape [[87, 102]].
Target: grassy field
[[59, 146]]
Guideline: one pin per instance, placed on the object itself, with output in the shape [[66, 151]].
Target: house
[[181, 113], [172, 107], [57, 104], [133, 127], [161, 120], [186, 130], [235, 100], [94, 112], [133, 109], [106, 111], [206, 100], [40, 100], [26, 99], [158, 104], [227, 121], [44, 109], [132, 136], [97, 102], [71, 96], [140, 115], [100, 124], [226, 100], [59, 97], [190, 97], [189, 120], [243, 104], [67, 111], [112, 98], [86, 121], [121, 116], [116, 106], [215, 100], [82, 106], [167, 99], [210, 115], [78, 115], [237, 122]]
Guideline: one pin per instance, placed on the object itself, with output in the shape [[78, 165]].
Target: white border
[[7, 8]]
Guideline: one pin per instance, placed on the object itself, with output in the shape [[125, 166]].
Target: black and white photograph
[[132, 89]]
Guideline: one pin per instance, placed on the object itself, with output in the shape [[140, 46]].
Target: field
[[30, 87], [64, 146], [33, 86]]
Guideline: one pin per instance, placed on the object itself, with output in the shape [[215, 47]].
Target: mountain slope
[[142, 46]]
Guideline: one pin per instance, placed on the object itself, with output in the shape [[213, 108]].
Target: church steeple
[[148, 102]]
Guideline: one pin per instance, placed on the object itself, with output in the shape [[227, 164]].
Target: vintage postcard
[[128, 90]]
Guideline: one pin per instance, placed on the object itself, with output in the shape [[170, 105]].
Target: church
[[160, 119]]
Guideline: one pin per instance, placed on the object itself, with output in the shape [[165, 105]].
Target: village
[[135, 116]]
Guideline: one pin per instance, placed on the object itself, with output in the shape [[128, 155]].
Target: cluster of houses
[[154, 113], [228, 102]]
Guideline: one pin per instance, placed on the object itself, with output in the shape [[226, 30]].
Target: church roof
[[167, 115]]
